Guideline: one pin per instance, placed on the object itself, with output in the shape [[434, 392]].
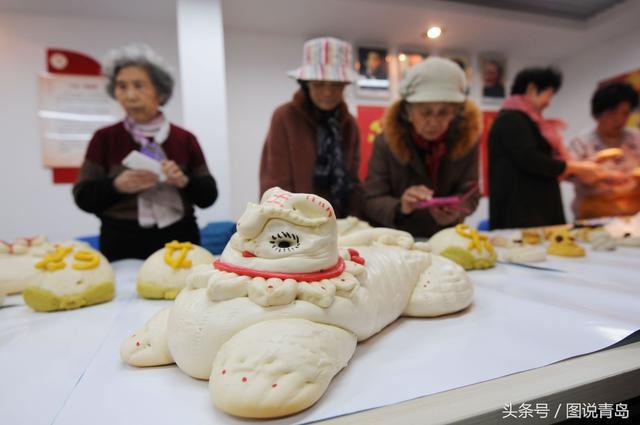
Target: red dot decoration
[[244, 379], [355, 256], [270, 286], [274, 385], [137, 343], [224, 371]]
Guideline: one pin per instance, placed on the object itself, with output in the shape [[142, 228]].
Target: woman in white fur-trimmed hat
[[313, 141], [428, 149]]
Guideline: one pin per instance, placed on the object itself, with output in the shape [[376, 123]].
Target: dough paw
[[148, 345], [443, 288], [278, 367]]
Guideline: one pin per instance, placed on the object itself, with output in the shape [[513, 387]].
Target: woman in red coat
[[313, 141]]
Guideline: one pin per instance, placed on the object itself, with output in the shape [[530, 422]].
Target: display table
[[65, 368]]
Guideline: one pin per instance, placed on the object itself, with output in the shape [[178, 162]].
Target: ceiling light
[[402, 57], [434, 32]]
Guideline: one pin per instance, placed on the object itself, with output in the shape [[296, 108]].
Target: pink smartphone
[[445, 201]]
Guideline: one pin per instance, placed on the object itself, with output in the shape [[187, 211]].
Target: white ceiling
[[400, 22], [579, 10], [385, 22], [147, 10]]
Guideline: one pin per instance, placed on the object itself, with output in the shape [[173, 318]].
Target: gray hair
[[143, 56]]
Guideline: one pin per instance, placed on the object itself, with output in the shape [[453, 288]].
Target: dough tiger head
[[286, 232]]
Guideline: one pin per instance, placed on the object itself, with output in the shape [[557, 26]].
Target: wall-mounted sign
[[73, 104]]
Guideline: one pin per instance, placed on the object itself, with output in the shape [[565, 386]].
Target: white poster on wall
[[71, 109]]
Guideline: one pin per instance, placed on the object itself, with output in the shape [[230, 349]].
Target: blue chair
[[484, 224], [93, 241], [214, 236]]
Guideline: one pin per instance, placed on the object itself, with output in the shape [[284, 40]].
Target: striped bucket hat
[[326, 59]]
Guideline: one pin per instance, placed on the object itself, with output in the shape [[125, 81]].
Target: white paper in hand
[[137, 161]]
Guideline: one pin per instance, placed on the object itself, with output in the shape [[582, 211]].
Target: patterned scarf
[[150, 135], [550, 128], [331, 173], [160, 205], [433, 150]]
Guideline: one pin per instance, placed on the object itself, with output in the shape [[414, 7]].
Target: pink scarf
[[150, 136], [550, 128], [160, 205]]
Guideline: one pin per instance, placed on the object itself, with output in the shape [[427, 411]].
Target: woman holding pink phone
[[423, 172]]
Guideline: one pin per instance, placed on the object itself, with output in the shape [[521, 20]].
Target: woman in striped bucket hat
[[313, 141]]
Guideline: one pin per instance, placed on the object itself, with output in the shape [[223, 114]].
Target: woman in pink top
[[611, 106]]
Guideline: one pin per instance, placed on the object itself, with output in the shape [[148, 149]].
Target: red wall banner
[[488, 117], [370, 120]]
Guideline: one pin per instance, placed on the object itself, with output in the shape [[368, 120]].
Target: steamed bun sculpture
[[273, 320], [518, 251], [599, 239], [70, 276], [163, 274], [17, 261], [464, 245], [625, 230], [563, 244]]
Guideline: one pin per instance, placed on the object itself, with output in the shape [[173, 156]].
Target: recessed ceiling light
[[434, 32], [402, 57]]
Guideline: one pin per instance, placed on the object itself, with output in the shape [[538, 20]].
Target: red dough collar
[[329, 273]]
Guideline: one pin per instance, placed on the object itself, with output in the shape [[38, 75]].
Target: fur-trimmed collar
[[303, 105], [464, 131]]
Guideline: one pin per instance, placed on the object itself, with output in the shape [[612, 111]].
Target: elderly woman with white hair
[[423, 172], [140, 210]]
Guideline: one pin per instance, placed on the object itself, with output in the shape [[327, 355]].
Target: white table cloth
[[64, 368]]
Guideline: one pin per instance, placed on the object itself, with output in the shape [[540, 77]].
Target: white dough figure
[[17, 261], [279, 314], [518, 251], [464, 245], [626, 231], [68, 277], [163, 274]]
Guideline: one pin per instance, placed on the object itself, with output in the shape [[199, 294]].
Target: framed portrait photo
[[373, 67], [493, 69]]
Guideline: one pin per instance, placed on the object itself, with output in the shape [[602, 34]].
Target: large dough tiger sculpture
[[273, 320]]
